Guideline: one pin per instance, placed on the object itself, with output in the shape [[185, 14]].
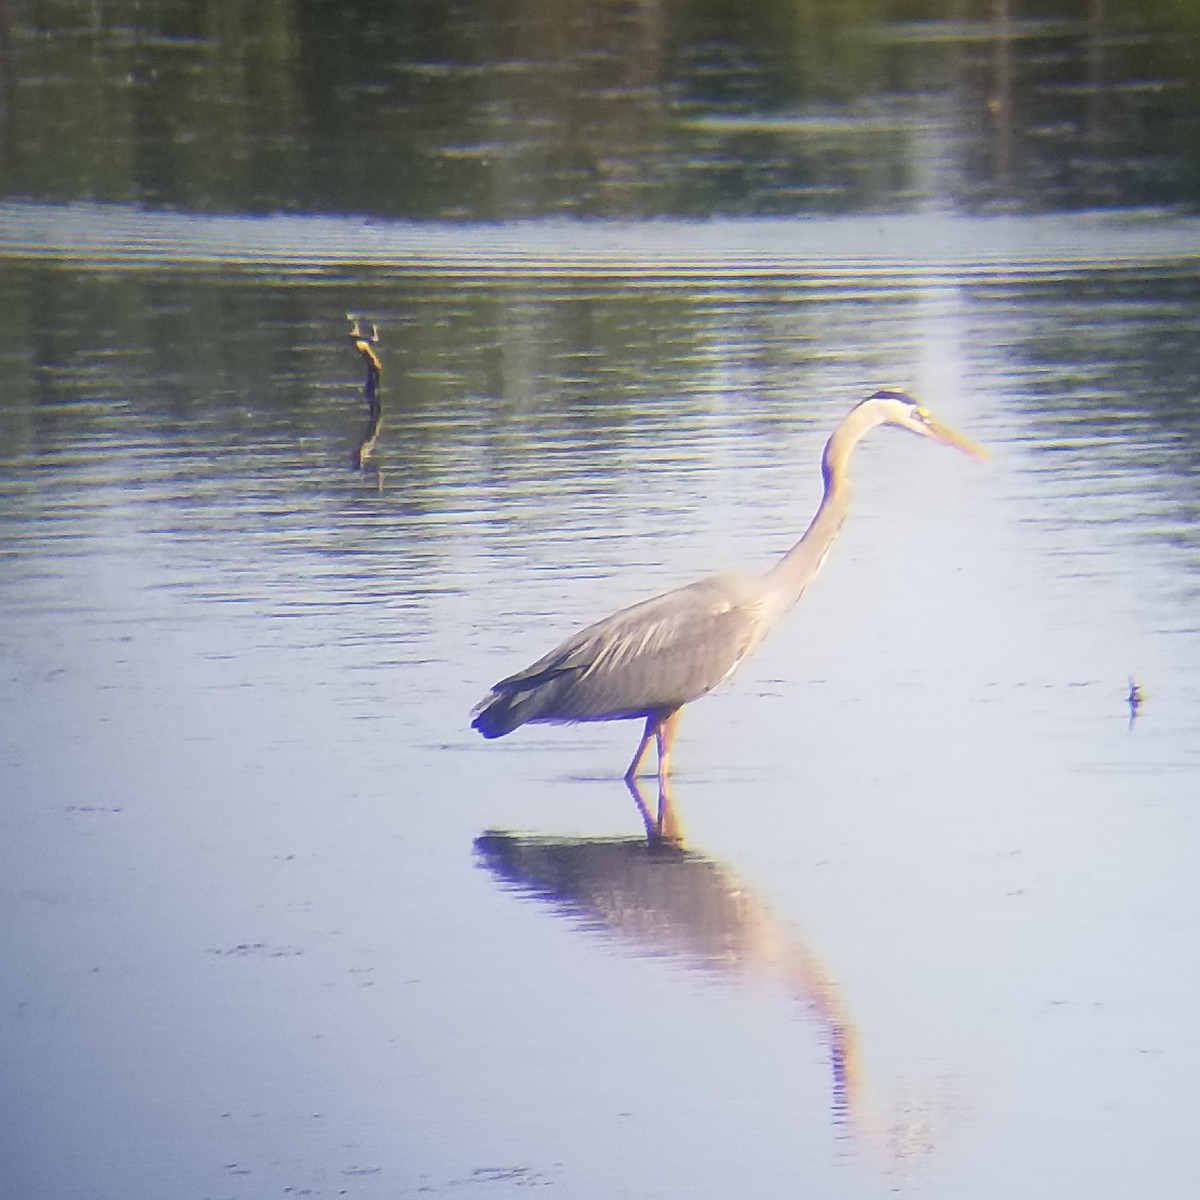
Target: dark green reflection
[[601, 107], [1111, 385], [517, 366], [508, 394]]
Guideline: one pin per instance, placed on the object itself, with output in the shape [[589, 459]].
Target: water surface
[[275, 918]]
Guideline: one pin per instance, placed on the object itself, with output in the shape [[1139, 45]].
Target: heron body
[[650, 659]]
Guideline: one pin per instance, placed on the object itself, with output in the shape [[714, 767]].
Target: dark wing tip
[[489, 731], [493, 716]]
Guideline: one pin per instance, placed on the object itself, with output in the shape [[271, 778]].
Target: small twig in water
[[365, 344]]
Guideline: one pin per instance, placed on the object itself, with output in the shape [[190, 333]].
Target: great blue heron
[[650, 659]]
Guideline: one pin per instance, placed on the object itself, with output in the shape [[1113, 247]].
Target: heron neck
[[788, 578]]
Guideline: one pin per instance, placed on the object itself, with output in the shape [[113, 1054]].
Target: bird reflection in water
[[672, 901]]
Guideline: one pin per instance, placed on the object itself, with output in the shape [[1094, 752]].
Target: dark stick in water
[[365, 344]]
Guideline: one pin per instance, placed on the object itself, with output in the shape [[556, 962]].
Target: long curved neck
[[787, 579]]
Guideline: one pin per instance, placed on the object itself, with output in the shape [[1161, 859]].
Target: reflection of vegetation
[[188, 105], [184, 354], [1110, 365], [532, 391], [602, 107], [504, 378]]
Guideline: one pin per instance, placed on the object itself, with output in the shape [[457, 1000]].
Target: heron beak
[[933, 428]]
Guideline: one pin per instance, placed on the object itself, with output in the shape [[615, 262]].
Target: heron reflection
[[670, 901]]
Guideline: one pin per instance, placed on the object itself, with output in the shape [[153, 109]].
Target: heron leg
[[661, 727], [664, 734], [643, 746]]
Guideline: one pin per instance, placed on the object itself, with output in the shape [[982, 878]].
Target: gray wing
[[652, 657]]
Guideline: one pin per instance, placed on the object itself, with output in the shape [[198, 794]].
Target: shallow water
[[275, 918]]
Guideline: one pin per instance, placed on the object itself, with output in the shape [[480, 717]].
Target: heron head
[[899, 408]]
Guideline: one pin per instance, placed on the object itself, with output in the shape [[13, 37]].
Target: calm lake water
[[276, 921]]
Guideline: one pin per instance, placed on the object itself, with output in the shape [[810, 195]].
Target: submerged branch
[[365, 344]]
